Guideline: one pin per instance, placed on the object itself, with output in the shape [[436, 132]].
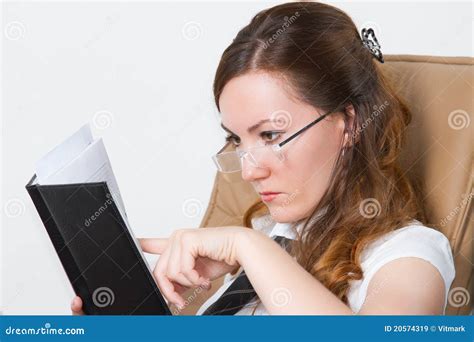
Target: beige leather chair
[[438, 155]]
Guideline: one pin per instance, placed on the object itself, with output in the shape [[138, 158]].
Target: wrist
[[244, 241]]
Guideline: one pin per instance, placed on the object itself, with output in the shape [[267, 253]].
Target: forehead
[[252, 97]]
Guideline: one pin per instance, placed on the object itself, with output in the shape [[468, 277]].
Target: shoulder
[[414, 256], [414, 240]]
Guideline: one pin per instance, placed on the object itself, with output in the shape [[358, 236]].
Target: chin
[[283, 214]]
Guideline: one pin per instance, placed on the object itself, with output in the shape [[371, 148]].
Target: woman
[[317, 132]]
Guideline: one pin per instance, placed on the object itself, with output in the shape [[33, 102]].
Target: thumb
[[153, 245]]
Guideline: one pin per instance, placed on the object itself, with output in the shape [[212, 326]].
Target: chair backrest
[[437, 155]]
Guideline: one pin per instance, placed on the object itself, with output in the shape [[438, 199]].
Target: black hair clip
[[371, 43]]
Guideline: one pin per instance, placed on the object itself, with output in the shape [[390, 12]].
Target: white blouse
[[414, 240]]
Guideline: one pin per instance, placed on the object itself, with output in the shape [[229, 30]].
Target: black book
[[78, 201]]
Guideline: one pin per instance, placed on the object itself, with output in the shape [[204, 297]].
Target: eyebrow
[[251, 128]]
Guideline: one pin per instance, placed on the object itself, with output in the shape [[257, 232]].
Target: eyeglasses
[[228, 162]]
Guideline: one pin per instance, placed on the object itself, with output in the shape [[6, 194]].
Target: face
[[301, 175]]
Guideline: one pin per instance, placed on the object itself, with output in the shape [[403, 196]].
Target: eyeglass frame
[[277, 146]]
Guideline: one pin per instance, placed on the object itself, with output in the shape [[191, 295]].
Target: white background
[[133, 67]]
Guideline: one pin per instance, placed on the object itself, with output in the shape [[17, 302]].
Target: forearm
[[284, 287]]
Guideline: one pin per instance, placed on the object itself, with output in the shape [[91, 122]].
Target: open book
[[79, 159], [77, 197]]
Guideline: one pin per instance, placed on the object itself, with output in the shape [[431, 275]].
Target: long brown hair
[[317, 49]]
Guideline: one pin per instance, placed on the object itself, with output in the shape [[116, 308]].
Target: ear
[[349, 129]]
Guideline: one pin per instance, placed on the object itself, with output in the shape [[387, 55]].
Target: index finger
[[153, 245]]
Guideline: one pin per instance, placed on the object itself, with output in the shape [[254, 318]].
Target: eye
[[233, 139], [270, 136]]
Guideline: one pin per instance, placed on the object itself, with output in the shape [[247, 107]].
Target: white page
[[92, 165], [63, 153], [88, 166]]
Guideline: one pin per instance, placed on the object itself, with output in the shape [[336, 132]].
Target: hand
[[76, 306], [193, 258]]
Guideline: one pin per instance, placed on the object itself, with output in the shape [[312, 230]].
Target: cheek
[[306, 171]]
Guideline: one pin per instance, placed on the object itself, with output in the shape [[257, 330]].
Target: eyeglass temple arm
[[303, 129]]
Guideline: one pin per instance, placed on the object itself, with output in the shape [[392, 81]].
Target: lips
[[268, 196]]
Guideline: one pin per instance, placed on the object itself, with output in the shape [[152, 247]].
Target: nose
[[251, 173]]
